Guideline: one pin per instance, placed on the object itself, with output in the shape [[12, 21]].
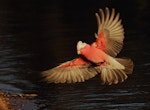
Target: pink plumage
[[97, 58]]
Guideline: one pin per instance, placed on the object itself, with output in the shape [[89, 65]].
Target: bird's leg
[[101, 63]]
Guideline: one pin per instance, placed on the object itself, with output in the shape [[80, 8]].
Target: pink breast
[[93, 54]]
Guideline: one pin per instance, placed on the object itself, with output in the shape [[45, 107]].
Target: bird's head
[[80, 45]]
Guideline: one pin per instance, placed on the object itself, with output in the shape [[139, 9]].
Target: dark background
[[37, 35]]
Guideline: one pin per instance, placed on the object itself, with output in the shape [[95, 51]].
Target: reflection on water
[[35, 36]]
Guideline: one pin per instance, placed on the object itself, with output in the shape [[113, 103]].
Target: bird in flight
[[99, 57]]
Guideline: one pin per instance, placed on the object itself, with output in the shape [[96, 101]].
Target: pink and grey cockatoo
[[99, 57]]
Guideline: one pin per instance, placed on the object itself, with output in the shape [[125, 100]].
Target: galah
[[113, 70], [99, 57]]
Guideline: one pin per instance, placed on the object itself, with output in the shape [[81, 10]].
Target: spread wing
[[110, 25], [76, 70]]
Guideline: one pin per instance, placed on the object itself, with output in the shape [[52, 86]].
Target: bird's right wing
[[77, 70]]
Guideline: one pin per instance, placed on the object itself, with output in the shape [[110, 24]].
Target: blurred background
[[37, 35]]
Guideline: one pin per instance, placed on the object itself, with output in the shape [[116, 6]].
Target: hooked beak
[[78, 52], [79, 47]]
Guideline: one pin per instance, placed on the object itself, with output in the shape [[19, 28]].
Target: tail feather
[[128, 63], [115, 70], [112, 76], [113, 63]]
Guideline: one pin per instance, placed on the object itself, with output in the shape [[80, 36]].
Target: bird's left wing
[[76, 70], [110, 33]]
